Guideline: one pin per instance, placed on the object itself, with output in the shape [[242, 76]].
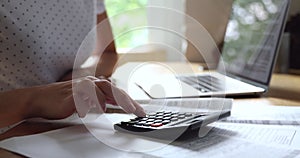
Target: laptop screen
[[252, 37]]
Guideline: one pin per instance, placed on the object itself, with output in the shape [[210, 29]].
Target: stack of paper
[[250, 132]]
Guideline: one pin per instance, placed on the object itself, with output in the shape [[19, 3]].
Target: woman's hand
[[56, 101], [60, 100]]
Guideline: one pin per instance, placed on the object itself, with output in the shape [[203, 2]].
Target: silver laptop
[[249, 54]]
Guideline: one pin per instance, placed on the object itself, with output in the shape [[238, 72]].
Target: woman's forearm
[[106, 64], [56, 100], [14, 106], [107, 59], [104, 67]]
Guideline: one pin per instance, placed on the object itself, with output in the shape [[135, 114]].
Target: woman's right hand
[[62, 99]]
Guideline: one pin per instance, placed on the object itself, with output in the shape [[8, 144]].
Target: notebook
[[251, 45]]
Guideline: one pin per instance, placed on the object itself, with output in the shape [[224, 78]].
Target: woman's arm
[[60, 100], [53, 101], [107, 59], [13, 107]]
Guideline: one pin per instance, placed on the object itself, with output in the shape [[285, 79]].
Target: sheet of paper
[[185, 104], [218, 146], [83, 141], [240, 140], [257, 114], [188, 104], [225, 140], [277, 135]]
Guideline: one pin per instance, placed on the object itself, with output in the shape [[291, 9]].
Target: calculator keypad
[[159, 119]]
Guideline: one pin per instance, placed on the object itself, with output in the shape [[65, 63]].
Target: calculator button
[[150, 120], [156, 124], [148, 123], [160, 117], [175, 115], [160, 114], [152, 116], [181, 116], [167, 115], [166, 122], [174, 119], [158, 121], [188, 114], [141, 123], [152, 113], [144, 119], [167, 118]]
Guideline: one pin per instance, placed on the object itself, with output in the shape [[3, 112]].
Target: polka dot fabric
[[39, 39]]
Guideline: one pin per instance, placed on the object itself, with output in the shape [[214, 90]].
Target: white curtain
[[168, 14], [213, 15]]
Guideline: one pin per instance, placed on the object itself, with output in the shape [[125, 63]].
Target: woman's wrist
[[77, 73], [25, 102], [14, 106]]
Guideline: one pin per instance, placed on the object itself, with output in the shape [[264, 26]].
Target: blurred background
[[152, 45]]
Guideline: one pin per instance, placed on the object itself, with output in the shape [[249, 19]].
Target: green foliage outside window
[[253, 15], [122, 21]]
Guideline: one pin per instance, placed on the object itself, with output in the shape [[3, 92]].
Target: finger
[[100, 95], [103, 78], [69, 101], [85, 96], [81, 106], [139, 110], [116, 95], [123, 100], [101, 99], [112, 102], [109, 99]]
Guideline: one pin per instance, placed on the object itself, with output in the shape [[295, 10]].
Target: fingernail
[[133, 109], [81, 115]]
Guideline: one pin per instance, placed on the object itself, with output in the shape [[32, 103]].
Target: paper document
[[288, 136], [240, 140], [79, 141], [256, 114], [187, 104], [263, 114], [184, 104], [225, 140]]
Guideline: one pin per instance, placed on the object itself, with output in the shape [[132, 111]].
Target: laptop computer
[[251, 45]]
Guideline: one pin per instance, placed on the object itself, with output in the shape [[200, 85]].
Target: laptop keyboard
[[204, 84]]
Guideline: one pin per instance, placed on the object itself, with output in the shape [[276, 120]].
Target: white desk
[[284, 90]]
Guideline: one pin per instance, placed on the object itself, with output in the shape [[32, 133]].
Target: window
[[121, 15], [127, 14]]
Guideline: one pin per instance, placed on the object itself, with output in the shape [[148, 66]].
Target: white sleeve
[[100, 6]]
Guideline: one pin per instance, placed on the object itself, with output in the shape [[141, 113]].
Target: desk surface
[[284, 91]]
